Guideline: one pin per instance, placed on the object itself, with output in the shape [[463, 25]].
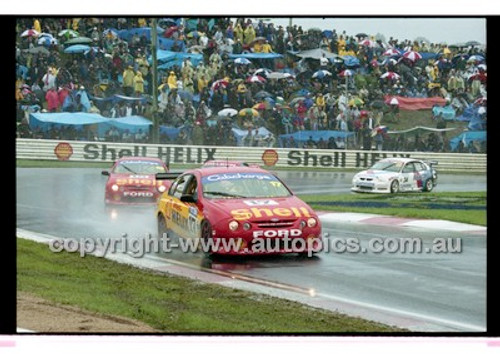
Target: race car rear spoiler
[[167, 175], [432, 163]]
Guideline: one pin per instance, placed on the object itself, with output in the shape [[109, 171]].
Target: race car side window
[[420, 167], [409, 168], [180, 186], [192, 188]]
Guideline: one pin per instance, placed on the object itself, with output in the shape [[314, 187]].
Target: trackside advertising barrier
[[96, 151]]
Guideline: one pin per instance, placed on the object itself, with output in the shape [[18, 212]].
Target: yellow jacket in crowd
[[202, 83], [249, 34], [172, 80], [138, 83], [128, 77], [37, 26]]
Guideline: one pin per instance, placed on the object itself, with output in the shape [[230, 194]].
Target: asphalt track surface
[[445, 291]]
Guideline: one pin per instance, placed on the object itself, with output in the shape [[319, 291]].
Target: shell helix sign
[[270, 157], [63, 151]]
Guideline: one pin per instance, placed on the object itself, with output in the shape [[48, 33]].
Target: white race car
[[393, 175]]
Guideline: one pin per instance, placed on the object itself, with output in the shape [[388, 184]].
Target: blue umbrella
[[77, 49]]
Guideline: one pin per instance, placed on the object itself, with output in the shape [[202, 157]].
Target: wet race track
[[441, 292]]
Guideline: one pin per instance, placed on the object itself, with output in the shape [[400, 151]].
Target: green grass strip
[[410, 205], [168, 303]]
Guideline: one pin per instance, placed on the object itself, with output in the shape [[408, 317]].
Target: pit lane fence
[[97, 151]]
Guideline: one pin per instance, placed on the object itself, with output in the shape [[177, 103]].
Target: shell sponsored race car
[[249, 205], [132, 181], [393, 175]]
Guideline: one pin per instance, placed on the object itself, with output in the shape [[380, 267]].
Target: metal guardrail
[[96, 151]]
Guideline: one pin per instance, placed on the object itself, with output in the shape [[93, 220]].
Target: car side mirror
[[105, 173], [188, 198]]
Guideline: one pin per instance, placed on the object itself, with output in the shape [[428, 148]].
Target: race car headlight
[[246, 226], [114, 188], [233, 225], [311, 222], [162, 188], [302, 224]]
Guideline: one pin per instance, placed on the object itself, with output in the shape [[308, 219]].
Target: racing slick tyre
[[206, 237], [428, 185], [162, 227], [394, 186]]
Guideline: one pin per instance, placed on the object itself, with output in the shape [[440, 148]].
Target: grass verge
[[168, 303], [466, 207]]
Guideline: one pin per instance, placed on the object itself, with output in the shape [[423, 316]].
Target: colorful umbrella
[[78, 40], [262, 72], [390, 75], [345, 73], [227, 112], [278, 76], [219, 83], [261, 106], [77, 49], [393, 101], [412, 56], [481, 76], [30, 33], [248, 112], [321, 74], [68, 33], [480, 101], [242, 61], [381, 129], [256, 78], [356, 101], [368, 43], [391, 52]]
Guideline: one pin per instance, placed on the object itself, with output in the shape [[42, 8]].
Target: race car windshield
[[243, 185], [391, 166], [139, 167]]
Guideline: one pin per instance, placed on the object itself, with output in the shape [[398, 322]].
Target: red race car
[[132, 180], [237, 211]]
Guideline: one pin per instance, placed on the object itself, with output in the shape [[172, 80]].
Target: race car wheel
[[429, 185], [206, 236], [162, 228], [395, 186]]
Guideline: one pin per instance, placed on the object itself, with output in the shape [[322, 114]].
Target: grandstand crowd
[[345, 85]]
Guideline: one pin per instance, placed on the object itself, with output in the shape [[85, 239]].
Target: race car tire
[[429, 185], [206, 236], [162, 227], [394, 186]]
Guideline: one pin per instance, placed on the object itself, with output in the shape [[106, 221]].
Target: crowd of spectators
[[48, 79]]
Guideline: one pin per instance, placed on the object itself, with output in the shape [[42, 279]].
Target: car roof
[[139, 158], [207, 171], [401, 159]]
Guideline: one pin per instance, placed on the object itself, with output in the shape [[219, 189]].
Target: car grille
[[133, 200], [366, 179], [268, 224]]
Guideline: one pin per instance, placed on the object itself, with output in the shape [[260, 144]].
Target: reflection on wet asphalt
[[70, 203]]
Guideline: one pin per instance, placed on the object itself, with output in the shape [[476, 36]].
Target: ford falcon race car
[[250, 206], [132, 180], [393, 175]]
